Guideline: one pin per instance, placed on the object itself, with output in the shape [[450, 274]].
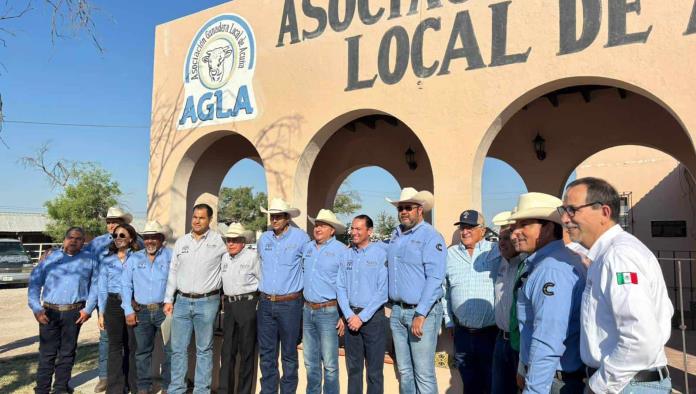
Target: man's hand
[[84, 316], [520, 382], [132, 319], [417, 326], [341, 327], [101, 321], [354, 323], [168, 308], [41, 317]]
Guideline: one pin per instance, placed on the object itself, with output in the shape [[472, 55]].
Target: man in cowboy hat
[[548, 301], [321, 322], [114, 216], [280, 309], [144, 282], [469, 284], [417, 261], [505, 358], [627, 314], [361, 289], [194, 279], [240, 282]]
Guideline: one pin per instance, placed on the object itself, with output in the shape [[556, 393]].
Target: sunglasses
[[121, 235], [401, 208], [150, 237]]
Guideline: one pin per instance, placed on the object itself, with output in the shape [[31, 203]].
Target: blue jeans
[[663, 386], [415, 357], [278, 320], [320, 345], [193, 315], [505, 360], [103, 353], [149, 323], [474, 357]]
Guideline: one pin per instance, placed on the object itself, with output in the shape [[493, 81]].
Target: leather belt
[[242, 297], [321, 304], [356, 309], [115, 295], [504, 334], [196, 295], [642, 376], [281, 297], [404, 305], [150, 307], [64, 307], [481, 330]]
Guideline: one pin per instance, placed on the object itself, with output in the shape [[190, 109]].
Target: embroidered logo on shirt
[[547, 286], [627, 278], [185, 249], [438, 247]]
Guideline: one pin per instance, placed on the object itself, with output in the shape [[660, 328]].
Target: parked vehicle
[[15, 262]]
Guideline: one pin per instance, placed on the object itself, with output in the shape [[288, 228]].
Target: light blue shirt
[[281, 261], [362, 281], [99, 245], [417, 260], [470, 285], [320, 269], [548, 310], [62, 279], [110, 272], [145, 280]]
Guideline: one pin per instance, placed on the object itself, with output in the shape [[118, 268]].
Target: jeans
[[103, 353], [320, 346], [279, 320], [473, 355], [663, 386], [367, 346], [57, 345], [193, 315], [146, 331], [415, 357], [505, 360], [239, 328], [121, 373]]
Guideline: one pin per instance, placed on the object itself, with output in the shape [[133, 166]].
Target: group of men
[[528, 313]]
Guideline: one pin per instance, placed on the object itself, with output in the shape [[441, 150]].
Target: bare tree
[[59, 173]]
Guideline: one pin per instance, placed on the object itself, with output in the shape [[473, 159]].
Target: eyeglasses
[[469, 228], [121, 235], [150, 237], [113, 221], [406, 207], [571, 210], [278, 217]]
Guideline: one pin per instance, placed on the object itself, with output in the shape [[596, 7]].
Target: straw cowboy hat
[[152, 227], [328, 217], [118, 213], [237, 230], [537, 206], [278, 205], [411, 195], [503, 218]]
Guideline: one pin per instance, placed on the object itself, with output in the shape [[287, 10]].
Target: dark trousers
[[239, 328], [279, 320], [504, 367], [57, 345], [367, 347], [474, 357], [121, 374], [146, 332]]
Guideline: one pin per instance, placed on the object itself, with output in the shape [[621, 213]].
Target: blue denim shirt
[[99, 245], [110, 272], [320, 269], [281, 261], [548, 310], [143, 280], [64, 280], [362, 281], [417, 262]]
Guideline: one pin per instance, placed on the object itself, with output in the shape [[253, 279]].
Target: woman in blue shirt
[[121, 336]]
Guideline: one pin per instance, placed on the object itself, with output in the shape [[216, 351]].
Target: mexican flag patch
[[627, 278]]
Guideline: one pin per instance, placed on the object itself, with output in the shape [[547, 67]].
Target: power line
[[110, 126]]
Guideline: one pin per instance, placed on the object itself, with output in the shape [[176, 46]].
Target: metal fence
[[37, 250]]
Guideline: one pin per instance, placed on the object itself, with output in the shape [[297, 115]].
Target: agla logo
[[218, 73]]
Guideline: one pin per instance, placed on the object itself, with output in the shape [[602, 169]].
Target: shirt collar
[[282, 236], [356, 249], [240, 254], [327, 243], [540, 254], [603, 242], [400, 230]]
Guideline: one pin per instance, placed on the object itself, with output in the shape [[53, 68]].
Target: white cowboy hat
[[411, 195], [328, 217], [537, 206], [278, 205], [503, 219], [152, 227], [237, 230], [118, 213]]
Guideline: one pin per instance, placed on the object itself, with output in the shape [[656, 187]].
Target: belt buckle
[[273, 297], [506, 335]]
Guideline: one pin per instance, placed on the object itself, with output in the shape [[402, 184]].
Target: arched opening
[[242, 191], [377, 140], [201, 172], [500, 188]]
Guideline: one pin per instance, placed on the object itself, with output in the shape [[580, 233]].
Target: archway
[[500, 188], [242, 191]]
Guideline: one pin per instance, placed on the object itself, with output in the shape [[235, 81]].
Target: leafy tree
[[385, 225], [241, 204], [346, 203]]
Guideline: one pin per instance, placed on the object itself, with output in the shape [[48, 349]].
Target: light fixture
[[539, 147], [411, 159]]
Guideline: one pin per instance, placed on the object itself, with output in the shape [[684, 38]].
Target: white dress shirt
[[196, 265], [626, 313]]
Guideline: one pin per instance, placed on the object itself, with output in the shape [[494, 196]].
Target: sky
[[69, 83]]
